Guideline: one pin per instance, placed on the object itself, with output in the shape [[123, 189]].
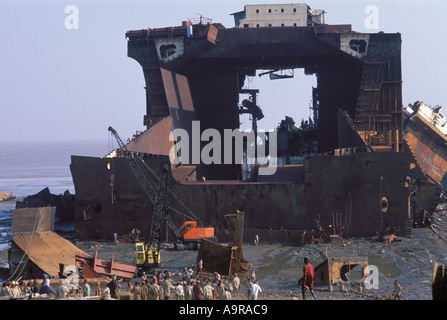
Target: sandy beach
[[279, 267]]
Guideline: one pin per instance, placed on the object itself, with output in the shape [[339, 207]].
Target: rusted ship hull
[[347, 187], [427, 143], [365, 189]]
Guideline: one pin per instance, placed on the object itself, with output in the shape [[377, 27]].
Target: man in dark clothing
[[198, 291], [308, 279], [46, 287], [35, 288], [113, 286]]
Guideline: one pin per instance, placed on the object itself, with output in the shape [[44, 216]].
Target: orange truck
[[191, 234]]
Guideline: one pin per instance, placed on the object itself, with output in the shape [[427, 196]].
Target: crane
[[163, 200]]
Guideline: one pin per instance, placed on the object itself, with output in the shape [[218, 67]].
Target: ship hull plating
[[350, 188]]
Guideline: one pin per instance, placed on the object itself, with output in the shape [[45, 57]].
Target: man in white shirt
[[254, 291]]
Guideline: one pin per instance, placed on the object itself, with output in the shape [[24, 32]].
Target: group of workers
[[15, 289], [191, 286], [66, 288]]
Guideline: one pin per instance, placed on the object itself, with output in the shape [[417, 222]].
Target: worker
[[215, 289], [113, 286], [46, 287], [198, 290], [28, 288], [191, 272], [227, 294], [135, 234], [15, 290], [179, 292], [160, 293], [36, 289], [208, 291], [151, 291], [98, 289], [5, 289], [236, 284], [106, 294], [86, 289], [185, 288], [397, 291], [188, 290], [22, 286], [308, 279], [154, 279], [144, 290], [132, 235], [255, 289], [253, 275], [200, 266], [115, 238], [161, 277], [229, 284], [166, 285], [257, 239], [168, 274], [221, 289], [154, 291], [62, 290], [185, 274], [136, 291]]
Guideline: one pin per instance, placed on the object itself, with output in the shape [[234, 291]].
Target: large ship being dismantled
[[347, 168]]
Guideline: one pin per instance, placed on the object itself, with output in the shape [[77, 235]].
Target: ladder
[[373, 115]]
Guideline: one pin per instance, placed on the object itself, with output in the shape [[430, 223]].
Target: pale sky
[[72, 84]]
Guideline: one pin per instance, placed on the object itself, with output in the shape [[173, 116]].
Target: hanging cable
[[380, 207], [348, 214], [26, 251]]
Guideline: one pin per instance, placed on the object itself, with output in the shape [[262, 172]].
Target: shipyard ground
[[279, 267]]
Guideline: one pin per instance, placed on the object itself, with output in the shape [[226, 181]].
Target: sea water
[[28, 167]]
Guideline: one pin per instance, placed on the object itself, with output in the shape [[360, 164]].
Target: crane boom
[[163, 200], [149, 180]]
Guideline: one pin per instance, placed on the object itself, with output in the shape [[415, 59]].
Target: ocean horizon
[[27, 167]]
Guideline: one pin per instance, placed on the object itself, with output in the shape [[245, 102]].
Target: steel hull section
[[349, 190], [428, 148], [266, 204], [323, 186]]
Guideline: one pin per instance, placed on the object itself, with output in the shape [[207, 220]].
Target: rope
[[441, 223], [348, 215], [26, 251], [438, 234]]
